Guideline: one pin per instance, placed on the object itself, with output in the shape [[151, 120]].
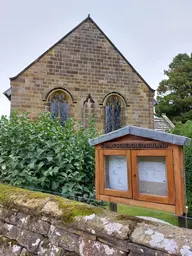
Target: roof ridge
[[87, 18], [50, 48], [122, 55], [141, 132]]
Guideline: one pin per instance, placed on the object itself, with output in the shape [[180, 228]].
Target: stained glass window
[[113, 113], [59, 106]]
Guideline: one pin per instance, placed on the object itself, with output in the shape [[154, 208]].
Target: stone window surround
[[123, 104]]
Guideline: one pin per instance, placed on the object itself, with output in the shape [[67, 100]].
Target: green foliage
[[44, 155], [175, 93], [186, 130], [138, 211]]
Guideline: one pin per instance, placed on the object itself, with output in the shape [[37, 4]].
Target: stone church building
[[84, 74]]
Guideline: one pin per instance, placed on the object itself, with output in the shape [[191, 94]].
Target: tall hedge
[[45, 155], [186, 130]]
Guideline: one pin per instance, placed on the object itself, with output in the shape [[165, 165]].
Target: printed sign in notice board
[[152, 175], [152, 169], [117, 172]]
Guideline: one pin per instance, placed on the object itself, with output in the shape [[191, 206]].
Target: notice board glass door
[[115, 173], [153, 176]]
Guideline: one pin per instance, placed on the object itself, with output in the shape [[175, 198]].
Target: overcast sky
[[149, 33]]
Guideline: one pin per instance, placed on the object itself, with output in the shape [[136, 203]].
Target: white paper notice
[[118, 172], [152, 171]]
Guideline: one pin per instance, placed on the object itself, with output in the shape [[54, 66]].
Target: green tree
[[175, 93], [186, 130]]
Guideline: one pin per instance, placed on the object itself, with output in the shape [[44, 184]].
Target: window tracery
[[114, 112], [58, 102]]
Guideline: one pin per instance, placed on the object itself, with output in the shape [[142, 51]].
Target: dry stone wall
[[41, 224]]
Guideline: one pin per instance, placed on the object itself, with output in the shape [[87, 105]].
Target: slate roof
[[142, 132], [162, 123]]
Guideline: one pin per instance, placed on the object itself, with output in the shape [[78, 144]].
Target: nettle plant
[[43, 154]]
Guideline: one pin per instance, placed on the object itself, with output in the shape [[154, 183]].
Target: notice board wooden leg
[[113, 207]]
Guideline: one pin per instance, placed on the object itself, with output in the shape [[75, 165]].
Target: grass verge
[[137, 211]]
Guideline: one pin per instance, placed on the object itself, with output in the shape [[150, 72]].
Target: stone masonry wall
[[41, 224], [84, 63]]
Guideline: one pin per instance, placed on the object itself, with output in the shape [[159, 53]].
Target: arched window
[[58, 104], [114, 111]]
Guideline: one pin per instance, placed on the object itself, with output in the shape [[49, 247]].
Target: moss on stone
[[8, 194], [72, 209], [7, 243], [13, 197]]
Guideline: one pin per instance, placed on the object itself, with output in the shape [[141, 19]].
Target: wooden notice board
[[141, 170]]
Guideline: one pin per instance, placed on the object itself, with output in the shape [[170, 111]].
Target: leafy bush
[[44, 155], [186, 130]]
